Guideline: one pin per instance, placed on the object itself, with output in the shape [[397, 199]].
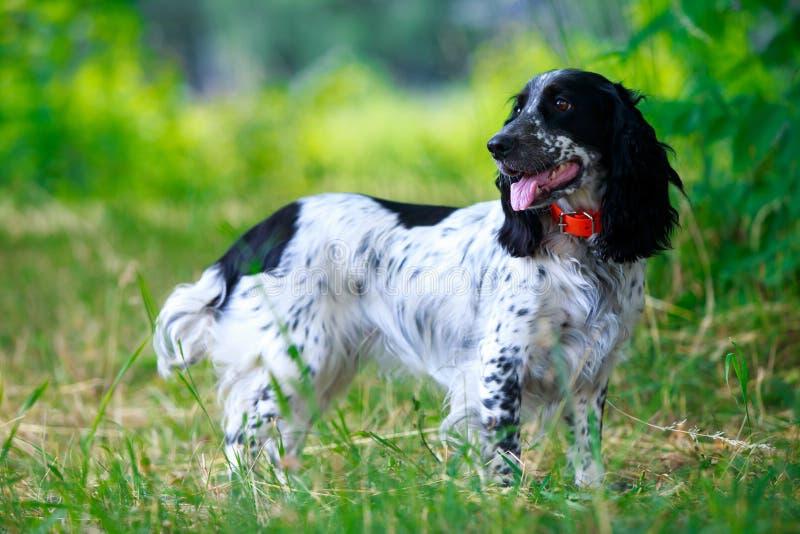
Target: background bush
[[88, 111]]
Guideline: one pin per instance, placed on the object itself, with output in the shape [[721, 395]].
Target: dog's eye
[[563, 105]]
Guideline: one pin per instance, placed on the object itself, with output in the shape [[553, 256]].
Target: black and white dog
[[512, 306]]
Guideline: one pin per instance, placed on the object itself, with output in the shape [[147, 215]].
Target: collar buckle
[[562, 224]]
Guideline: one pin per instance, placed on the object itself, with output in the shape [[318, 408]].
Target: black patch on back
[[411, 215], [260, 249]]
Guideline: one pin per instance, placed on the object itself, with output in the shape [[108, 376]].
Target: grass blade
[[420, 425], [27, 405], [736, 361], [189, 383], [147, 299], [87, 442]]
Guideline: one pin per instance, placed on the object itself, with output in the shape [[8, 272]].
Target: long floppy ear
[[522, 231], [637, 215]]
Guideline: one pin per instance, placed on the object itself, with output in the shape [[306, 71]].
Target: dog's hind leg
[[265, 418], [269, 408], [279, 364]]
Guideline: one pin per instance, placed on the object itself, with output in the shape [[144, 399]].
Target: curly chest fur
[[566, 323]]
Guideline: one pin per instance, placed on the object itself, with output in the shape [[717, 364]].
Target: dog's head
[[575, 135]]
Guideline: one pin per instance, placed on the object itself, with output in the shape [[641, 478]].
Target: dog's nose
[[500, 145]]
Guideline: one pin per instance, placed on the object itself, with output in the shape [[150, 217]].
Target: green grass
[[116, 185], [93, 438]]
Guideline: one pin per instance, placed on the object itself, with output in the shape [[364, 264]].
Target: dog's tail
[[184, 329]]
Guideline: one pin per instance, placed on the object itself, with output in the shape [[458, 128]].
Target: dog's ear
[[522, 231], [637, 215]]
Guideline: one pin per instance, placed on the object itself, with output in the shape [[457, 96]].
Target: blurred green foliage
[[87, 111]]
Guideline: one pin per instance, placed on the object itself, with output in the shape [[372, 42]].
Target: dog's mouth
[[527, 188]]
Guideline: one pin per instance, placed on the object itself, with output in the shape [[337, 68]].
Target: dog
[[518, 308]]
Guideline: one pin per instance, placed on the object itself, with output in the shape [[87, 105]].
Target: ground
[[91, 437]]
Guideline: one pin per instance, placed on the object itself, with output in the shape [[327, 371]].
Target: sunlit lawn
[[75, 316]]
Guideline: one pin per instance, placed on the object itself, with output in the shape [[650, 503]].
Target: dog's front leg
[[501, 395], [585, 419]]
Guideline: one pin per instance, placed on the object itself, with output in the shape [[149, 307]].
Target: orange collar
[[580, 224]]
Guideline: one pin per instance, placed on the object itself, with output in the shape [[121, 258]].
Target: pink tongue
[[523, 192]]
